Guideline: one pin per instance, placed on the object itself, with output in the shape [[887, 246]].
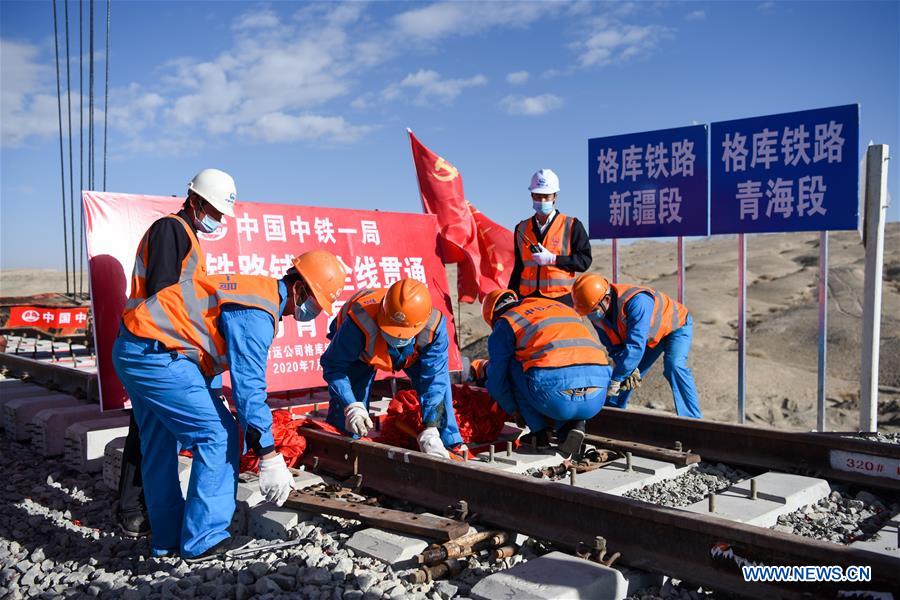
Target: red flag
[[482, 249], [497, 253], [442, 194]]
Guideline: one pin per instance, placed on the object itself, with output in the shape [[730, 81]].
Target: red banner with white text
[[377, 249]]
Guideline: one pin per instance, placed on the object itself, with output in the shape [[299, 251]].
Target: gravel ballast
[[58, 539]]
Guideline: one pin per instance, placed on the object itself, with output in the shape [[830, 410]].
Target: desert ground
[[782, 323]]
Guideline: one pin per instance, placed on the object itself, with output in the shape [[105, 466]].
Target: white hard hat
[[544, 181], [217, 188]]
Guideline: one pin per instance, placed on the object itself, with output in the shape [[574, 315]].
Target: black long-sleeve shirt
[[169, 244], [579, 261]]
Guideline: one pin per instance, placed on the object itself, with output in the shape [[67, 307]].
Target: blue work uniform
[[634, 354], [350, 379], [177, 406], [561, 394]]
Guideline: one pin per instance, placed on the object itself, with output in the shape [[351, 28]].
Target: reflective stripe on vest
[[184, 316], [550, 334], [362, 308], [194, 260], [668, 315], [550, 280]]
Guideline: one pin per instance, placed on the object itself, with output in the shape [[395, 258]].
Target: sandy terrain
[[782, 323]]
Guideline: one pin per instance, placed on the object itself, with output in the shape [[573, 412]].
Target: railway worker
[[637, 324], [168, 252], [550, 247], [546, 364], [169, 349], [391, 329]]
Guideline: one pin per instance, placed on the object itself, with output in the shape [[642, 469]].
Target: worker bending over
[[168, 251], [169, 349], [545, 363], [637, 324], [391, 329]]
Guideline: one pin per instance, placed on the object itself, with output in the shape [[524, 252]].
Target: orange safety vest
[[362, 308], [551, 281], [668, 315], [184, 316], [194, 261], [550, 334]]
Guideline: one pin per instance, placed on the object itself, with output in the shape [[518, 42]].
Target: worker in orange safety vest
[[391, 329], [550, 247], [170, 348], [546, 364], [637, 325]]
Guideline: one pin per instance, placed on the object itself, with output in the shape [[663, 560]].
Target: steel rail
[[52, 376], [701, 549], [762, 447]]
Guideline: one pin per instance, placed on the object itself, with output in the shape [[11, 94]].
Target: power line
[[81, 131], [62, 164], [71, 175], [106, 94]]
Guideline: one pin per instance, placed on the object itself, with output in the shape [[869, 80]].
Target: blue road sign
[[790, 172], [650, 184]]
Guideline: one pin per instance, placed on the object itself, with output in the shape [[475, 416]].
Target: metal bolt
[[509, 448], [491, 453], [678, 446], [572, 475], [315, 407], [628, 462], [712, 503], [753, 489]]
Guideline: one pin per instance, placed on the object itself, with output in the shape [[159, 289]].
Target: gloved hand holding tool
[[543, 257], [275, 480], [633, 381], [356, 419]]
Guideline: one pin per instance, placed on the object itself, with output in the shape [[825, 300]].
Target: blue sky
[[308, 103]]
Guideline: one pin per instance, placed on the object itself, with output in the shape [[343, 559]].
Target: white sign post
[[876, 206]]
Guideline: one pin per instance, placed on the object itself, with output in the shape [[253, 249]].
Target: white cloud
[[766, 6], [531, 106], [517, 77], [279, 127], [613, 43], [443, 19], [429, 86], [696, 15], [255, 19], [26, 109]]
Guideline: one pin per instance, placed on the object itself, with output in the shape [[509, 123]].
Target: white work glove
[[633, 381], [430, 443], [543, 257], [275, 481], [356, 419], [613, 389]]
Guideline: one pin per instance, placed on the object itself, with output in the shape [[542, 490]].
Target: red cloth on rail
[[480, 419], [288, 442]]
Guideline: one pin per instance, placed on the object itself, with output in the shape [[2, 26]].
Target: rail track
[[699, 548]]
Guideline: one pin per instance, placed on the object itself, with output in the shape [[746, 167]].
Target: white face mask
[[207, 224], [396, 342], [542, 207]]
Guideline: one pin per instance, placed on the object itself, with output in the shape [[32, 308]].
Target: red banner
[[58, 321], [377, 248]]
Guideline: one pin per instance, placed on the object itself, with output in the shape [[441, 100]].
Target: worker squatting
[[183, 327]]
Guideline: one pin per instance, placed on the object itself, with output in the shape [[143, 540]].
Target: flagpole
[[458, 315]]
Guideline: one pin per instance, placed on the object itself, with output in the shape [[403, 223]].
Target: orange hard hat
[[405, 309], [588, 291], [324, 275], [490, 303]]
